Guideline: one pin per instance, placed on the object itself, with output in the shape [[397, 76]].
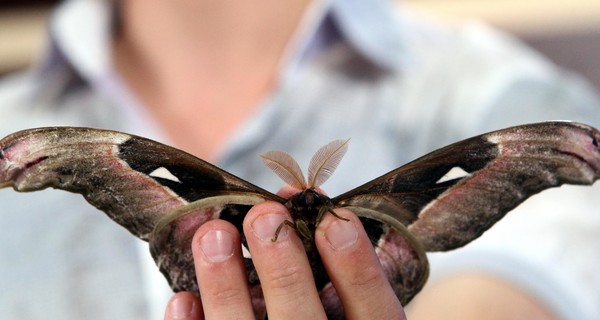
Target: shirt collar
[[372, 28], [80, 34]]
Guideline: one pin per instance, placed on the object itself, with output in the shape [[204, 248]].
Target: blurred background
[[566, 31]]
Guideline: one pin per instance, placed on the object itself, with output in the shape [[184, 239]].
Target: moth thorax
[[305, 205]]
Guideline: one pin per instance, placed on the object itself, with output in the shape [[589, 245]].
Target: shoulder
[[17, 93], [58, 97], [471, 45], [474, 78]]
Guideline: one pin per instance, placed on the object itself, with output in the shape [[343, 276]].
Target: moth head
[[321, 167]]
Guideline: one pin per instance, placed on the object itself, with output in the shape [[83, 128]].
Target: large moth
[[438, 202]]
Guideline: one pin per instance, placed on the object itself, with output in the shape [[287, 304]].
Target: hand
[[283, 269]]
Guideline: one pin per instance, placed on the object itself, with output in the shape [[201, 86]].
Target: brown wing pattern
[[452, 195], [157, 192]]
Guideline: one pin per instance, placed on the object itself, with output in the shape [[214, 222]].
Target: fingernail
[[217, 245], [341, 234], [181, 308], [265, 227]]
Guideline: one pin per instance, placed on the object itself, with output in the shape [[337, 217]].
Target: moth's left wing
[[451, 196], [141, 184]]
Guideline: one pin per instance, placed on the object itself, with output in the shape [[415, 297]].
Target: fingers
[[284, 271], [354, 269], [220, 272], [184, 306], [282, 266]]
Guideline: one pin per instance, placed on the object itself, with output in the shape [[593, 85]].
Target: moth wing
[[157, 192], [451, 196]]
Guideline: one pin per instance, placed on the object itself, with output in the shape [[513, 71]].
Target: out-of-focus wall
[[21, 32], [530, 18]]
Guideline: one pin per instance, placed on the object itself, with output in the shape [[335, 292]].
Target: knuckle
[[285, 277], [227, 296], [366, 278]]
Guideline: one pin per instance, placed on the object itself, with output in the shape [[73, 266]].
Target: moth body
[[307, 208]]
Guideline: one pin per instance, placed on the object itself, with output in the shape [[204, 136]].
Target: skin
[[354, 269], [482, 293], [288, 285], [220, 59]]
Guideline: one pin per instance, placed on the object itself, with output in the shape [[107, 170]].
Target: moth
[[438, 202]]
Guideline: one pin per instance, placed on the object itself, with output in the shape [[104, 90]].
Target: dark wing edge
[[493, 173]]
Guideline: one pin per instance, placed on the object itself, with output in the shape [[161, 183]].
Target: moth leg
[[284, 223], [303, 230], [330, 209], [325, 209]]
